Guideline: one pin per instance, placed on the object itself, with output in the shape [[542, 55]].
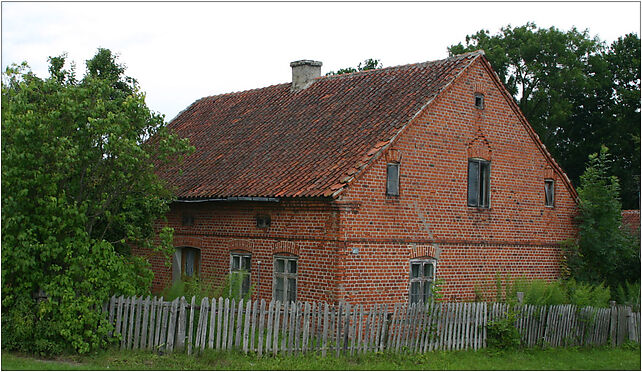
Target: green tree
[[576, 92], [605, 252], [368, 64], [78, 189]]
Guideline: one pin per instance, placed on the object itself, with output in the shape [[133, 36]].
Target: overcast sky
[[180, 52]]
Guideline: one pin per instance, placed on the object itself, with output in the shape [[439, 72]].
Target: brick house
[[367, 187]]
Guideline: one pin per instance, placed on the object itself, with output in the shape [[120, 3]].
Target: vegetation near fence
[[301, 327]]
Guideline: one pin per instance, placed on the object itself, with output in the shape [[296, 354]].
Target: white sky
[[180, 52]]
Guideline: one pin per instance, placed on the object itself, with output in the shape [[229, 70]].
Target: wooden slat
[[346, 328], [226, 322], [132, 317], [212, 328], [145, 323], [261, 327], [326, 325], [219, 325], [307, 312], [286, 318], [137, 326], [276, 324], [338, 324], [200, 326], [172, 325], [255, 307], [125, 323], [268, 338], [246, 326], [239, 325], [292, 327], [368, 327], [383, 328], [230, 328], [319, 327], [190, 326], [181, 325], [152, 324]]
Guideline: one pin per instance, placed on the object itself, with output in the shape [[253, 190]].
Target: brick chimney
[[304, 72]]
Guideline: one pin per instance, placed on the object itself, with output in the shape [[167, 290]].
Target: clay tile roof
[[272, 142], [631, 220]]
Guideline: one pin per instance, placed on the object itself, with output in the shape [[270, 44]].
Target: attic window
[[549, 192], [188, 220], [479, 100], [263, 221], [392, 179]]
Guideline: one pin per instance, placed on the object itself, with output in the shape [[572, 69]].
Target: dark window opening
[[240, 270], [478, 183], [479, 100], [188, 220], [422, 276], [549, 192], [285, 276], [263, 222], [392, 179], [190, 262]]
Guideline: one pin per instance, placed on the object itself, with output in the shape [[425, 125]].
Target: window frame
[[549, 203], [482, 100], [239, 270], [482, 193], [286, 275], [421, 279], [196, 272], [388, 184]]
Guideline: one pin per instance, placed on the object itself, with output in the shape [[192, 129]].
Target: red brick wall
[[358, 247], [518, 235], [305, 228]]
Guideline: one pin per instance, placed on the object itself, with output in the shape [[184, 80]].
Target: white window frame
[[421, 279], [239, 270], [286, 275]]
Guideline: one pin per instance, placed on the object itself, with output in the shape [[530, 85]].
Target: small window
[[422, 276], [240, 270], [392, 179], [549, 192], [263, 221], [188, 220], [478, 183], [285, 275], [190, 262], [479, 100]]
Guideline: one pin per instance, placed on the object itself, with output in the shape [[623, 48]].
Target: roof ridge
[[422, 64], [408, 65]]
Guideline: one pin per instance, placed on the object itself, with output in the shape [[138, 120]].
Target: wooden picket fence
[[301, 327]]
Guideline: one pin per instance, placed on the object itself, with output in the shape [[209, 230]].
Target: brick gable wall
[[518, 235]]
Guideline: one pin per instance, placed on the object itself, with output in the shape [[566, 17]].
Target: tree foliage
[[78, 190], [368, 64], [577, 93], [605, 252]]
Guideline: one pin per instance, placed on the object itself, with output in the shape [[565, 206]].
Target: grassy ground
[[550, 359]]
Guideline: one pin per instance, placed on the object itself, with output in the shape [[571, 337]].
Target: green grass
[[531, 359]]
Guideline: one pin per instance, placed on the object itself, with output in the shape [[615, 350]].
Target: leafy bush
[[78, 189], [628, 294], [541, 292], [502, 334], [188, 287]]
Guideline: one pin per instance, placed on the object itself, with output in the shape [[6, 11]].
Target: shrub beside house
[[367, 187]]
